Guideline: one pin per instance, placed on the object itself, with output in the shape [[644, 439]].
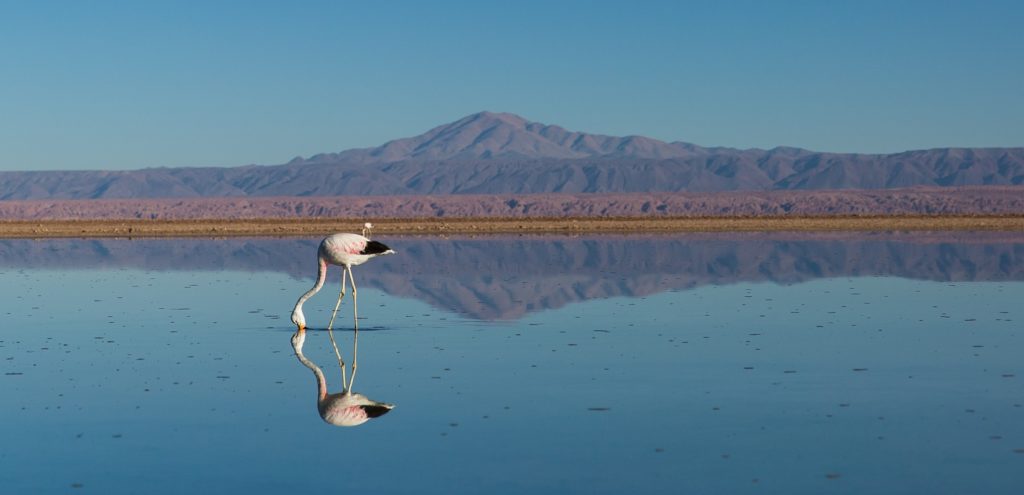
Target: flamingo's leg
[[340, 297], [330, 328], [355, 320], [355, 353], [355, 300]]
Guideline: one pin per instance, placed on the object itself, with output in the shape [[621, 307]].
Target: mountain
[[500, 153], [488, 135]]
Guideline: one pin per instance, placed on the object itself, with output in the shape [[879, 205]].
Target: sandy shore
[[434, 226]]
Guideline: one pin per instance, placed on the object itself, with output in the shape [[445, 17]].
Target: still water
[[787, 363]]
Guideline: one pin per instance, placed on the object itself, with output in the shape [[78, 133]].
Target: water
[[754, 363]]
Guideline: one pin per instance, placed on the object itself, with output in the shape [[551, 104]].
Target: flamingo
[[346, 251], [342, 409]]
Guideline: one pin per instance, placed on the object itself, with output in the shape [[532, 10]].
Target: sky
[[123, 85]]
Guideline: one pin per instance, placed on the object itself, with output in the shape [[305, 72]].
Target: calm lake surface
[[761, 363]]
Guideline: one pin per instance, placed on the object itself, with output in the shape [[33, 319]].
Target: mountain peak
[[508, 118], [488, 135]]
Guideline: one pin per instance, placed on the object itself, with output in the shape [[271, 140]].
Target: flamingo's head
[[298, 318]]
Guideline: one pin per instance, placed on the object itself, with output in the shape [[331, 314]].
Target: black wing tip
[[374, 247], [378, 410]]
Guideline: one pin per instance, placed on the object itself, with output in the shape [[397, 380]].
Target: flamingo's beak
[[302, 328]]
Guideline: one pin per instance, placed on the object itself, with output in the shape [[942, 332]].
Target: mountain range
[[501, 153]]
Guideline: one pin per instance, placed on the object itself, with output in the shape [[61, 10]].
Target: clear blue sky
[[113, 85]]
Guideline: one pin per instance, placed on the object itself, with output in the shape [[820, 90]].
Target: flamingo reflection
[[345, 408]]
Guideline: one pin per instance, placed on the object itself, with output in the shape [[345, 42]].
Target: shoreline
[[276, 227]]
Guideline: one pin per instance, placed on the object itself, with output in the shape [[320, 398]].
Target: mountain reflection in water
[[494, 278]]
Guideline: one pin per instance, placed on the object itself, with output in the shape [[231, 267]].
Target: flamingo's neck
[[321, 275]]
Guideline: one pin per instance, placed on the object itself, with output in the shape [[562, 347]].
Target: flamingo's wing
[[346, 244]]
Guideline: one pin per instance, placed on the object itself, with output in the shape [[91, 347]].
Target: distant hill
[[488, 135], [500, 153]]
